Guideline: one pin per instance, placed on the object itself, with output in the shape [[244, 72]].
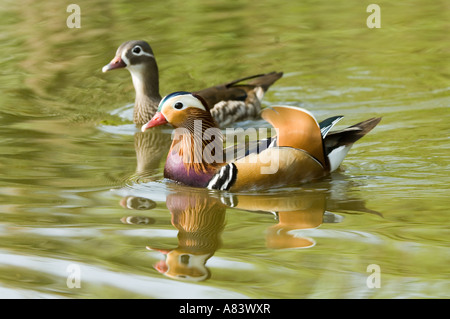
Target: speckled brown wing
[[236, 90], [238, 101]]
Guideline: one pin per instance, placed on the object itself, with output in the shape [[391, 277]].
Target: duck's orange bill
[[157, 119], [116, 63]]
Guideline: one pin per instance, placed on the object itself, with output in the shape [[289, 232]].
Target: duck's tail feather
[[350, 134], [338, 143], [266, 80]]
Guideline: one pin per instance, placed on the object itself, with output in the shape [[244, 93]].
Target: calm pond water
[[82, 194]]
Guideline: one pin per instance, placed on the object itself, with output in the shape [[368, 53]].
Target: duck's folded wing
[[276, 166]]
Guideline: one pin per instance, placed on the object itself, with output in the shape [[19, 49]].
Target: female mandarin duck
[[301, 151], [230, 102]]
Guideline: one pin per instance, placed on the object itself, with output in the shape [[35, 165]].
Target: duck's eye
[[137, 50], [184, 259], [178, 105]]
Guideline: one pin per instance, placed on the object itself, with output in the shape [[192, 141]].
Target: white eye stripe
[[186, 100], [141, 52], [148, 54]]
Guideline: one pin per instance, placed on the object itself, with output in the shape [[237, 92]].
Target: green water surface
[[70, 159]]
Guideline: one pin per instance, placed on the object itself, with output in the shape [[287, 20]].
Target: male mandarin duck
[[230, 102], [302, 150]]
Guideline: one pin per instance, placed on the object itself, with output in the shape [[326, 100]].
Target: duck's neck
[[196, 151], [146, 84]]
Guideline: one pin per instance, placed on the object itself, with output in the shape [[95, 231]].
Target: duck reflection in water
[[150, 152], [293, 211], [200, 220], [199, 217], [137, 203]]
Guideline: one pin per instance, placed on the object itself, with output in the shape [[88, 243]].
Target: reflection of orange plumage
[[200, 220], [199, 217], [310, 215], [299, 210]]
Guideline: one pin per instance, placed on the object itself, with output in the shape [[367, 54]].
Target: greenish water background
[[68, 152]]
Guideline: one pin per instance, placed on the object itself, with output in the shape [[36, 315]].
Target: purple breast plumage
[[175, 169]]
